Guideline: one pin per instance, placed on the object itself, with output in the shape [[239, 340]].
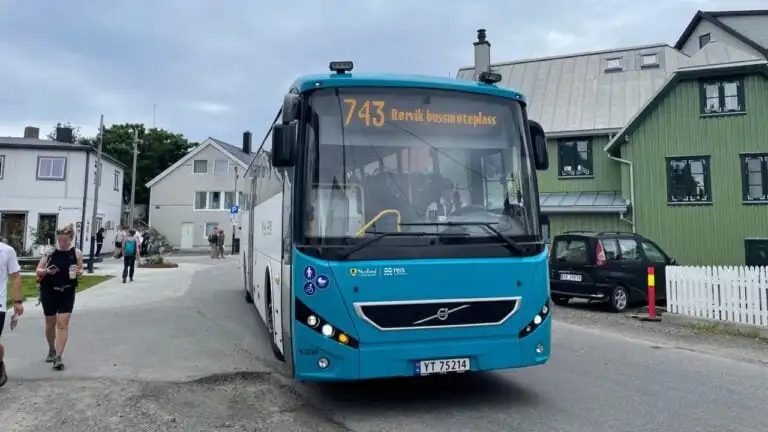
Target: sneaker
[[3, 375], [123, 280], [57, 363], [51, 355]]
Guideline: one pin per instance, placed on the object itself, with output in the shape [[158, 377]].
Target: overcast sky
[[216, 68]]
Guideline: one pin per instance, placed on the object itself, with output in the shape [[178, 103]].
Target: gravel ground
[[242, 402], [694, 338]]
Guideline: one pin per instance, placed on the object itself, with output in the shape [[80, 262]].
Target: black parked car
[[606, 266]]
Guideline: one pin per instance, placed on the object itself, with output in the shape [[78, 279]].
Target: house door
[[187, 235]]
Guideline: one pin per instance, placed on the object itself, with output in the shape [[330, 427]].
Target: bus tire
[[270, 320], [248, 297]]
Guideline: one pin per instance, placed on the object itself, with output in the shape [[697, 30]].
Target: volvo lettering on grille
[[442, 314]]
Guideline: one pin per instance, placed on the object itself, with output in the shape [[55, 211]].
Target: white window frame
[[53, 160], [216, 164], [116, 180], [2, 166], [194, 166], [611, 67], [209, 199]]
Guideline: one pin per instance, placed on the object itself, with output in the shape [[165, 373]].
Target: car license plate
[[442, 366], [570, 277]]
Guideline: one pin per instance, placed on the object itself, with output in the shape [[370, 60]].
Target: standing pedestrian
[[130, 254], [119, 238], [213, 243], [59, 272], [99, 240], [220, 243], [9, 268]]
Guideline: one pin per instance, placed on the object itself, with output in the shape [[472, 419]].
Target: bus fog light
[[328, 330], [312, 321], [539, 349], [322, 363], [537, 319], [545, 309]]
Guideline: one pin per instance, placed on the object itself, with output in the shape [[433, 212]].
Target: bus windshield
[[411, 163]]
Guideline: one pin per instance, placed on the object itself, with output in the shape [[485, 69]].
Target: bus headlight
[[536, 321], [328, 330], [312, 321]]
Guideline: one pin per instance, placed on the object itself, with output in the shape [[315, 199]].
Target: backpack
[[130, 247]]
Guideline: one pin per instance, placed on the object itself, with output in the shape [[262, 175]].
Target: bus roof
[[331, 80]]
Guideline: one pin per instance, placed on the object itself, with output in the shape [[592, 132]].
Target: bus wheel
[[248, 297], [271, 325]]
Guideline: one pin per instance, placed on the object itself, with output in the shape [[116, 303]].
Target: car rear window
[[574, 251]]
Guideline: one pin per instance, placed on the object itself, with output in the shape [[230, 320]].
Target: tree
[[75, 131], [157, 150]]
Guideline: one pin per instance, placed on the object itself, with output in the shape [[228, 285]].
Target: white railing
[[735, 294]]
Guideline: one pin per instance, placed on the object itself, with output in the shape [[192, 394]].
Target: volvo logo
[[442, 314]]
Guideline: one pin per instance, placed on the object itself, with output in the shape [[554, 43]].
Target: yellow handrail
[[376, 219]]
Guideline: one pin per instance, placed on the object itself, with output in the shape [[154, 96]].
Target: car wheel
[[561, 301], [619, 299]]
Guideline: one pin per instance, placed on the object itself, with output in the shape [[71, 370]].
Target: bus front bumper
[[331, 362]]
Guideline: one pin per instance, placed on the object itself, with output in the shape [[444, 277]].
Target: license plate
[[442, 366], [570, 277]]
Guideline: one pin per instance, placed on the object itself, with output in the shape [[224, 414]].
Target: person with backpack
[[130, 255], [213, 241], [59, 272]]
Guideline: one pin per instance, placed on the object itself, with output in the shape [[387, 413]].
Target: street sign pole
[[97, 184]]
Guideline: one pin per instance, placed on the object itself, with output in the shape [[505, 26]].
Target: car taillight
[[599, 254]]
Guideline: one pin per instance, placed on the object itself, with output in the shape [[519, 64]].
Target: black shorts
[[57, 302], [2, 322]]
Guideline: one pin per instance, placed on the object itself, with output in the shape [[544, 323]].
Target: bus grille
[[438, 314]]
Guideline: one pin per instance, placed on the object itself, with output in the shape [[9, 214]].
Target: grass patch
[[29, 288], [720, 329]]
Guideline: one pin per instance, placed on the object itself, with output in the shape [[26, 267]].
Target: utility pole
[[237, 203], [133, 177], [97, 184]]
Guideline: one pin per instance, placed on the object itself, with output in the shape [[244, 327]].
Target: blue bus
[[393, 228]]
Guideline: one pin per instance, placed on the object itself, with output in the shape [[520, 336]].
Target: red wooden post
[[651, 294]]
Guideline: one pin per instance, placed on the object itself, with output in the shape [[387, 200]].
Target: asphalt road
[[603, 377]]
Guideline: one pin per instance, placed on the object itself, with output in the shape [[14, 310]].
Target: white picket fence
[[735, 294]]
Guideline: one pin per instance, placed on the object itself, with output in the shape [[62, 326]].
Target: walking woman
[[58, 272]]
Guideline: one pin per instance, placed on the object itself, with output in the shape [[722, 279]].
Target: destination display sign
[[377, 112]]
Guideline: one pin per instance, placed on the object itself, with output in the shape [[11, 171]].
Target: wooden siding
[[559, 224], [707, 234]]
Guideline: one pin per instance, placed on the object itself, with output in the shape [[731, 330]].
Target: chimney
[[65, 135], [482, 54], [32, 132], [247, 142]]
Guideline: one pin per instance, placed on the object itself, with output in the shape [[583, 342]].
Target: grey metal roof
[[235, 151], [582, 202], [42, 144], [715, 53], [748, 26], [574, 93]]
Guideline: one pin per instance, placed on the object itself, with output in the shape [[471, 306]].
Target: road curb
[[730, 327]]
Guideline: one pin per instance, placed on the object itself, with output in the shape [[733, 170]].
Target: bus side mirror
[[284, 145], [539, 144]]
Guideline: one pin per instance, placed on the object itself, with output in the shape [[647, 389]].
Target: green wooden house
[[667, 141]]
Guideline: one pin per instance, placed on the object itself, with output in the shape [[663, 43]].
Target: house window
[[575, 158], [723, 96], [756, 252], [704, 40], [229, 199], [209, 227], [2, 166], [754, 177], [200, 166], [201, 200], [649, 60], [116, 180], [214, 200], [688, 180], [613, 64], [220, 166], [51, 168]]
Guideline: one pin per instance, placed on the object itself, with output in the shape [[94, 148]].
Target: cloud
[[218, 68]]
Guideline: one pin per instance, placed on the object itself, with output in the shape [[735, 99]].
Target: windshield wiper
[[367, 242], [513, 245]]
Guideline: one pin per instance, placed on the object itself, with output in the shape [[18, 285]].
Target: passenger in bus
[[446, 203]]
